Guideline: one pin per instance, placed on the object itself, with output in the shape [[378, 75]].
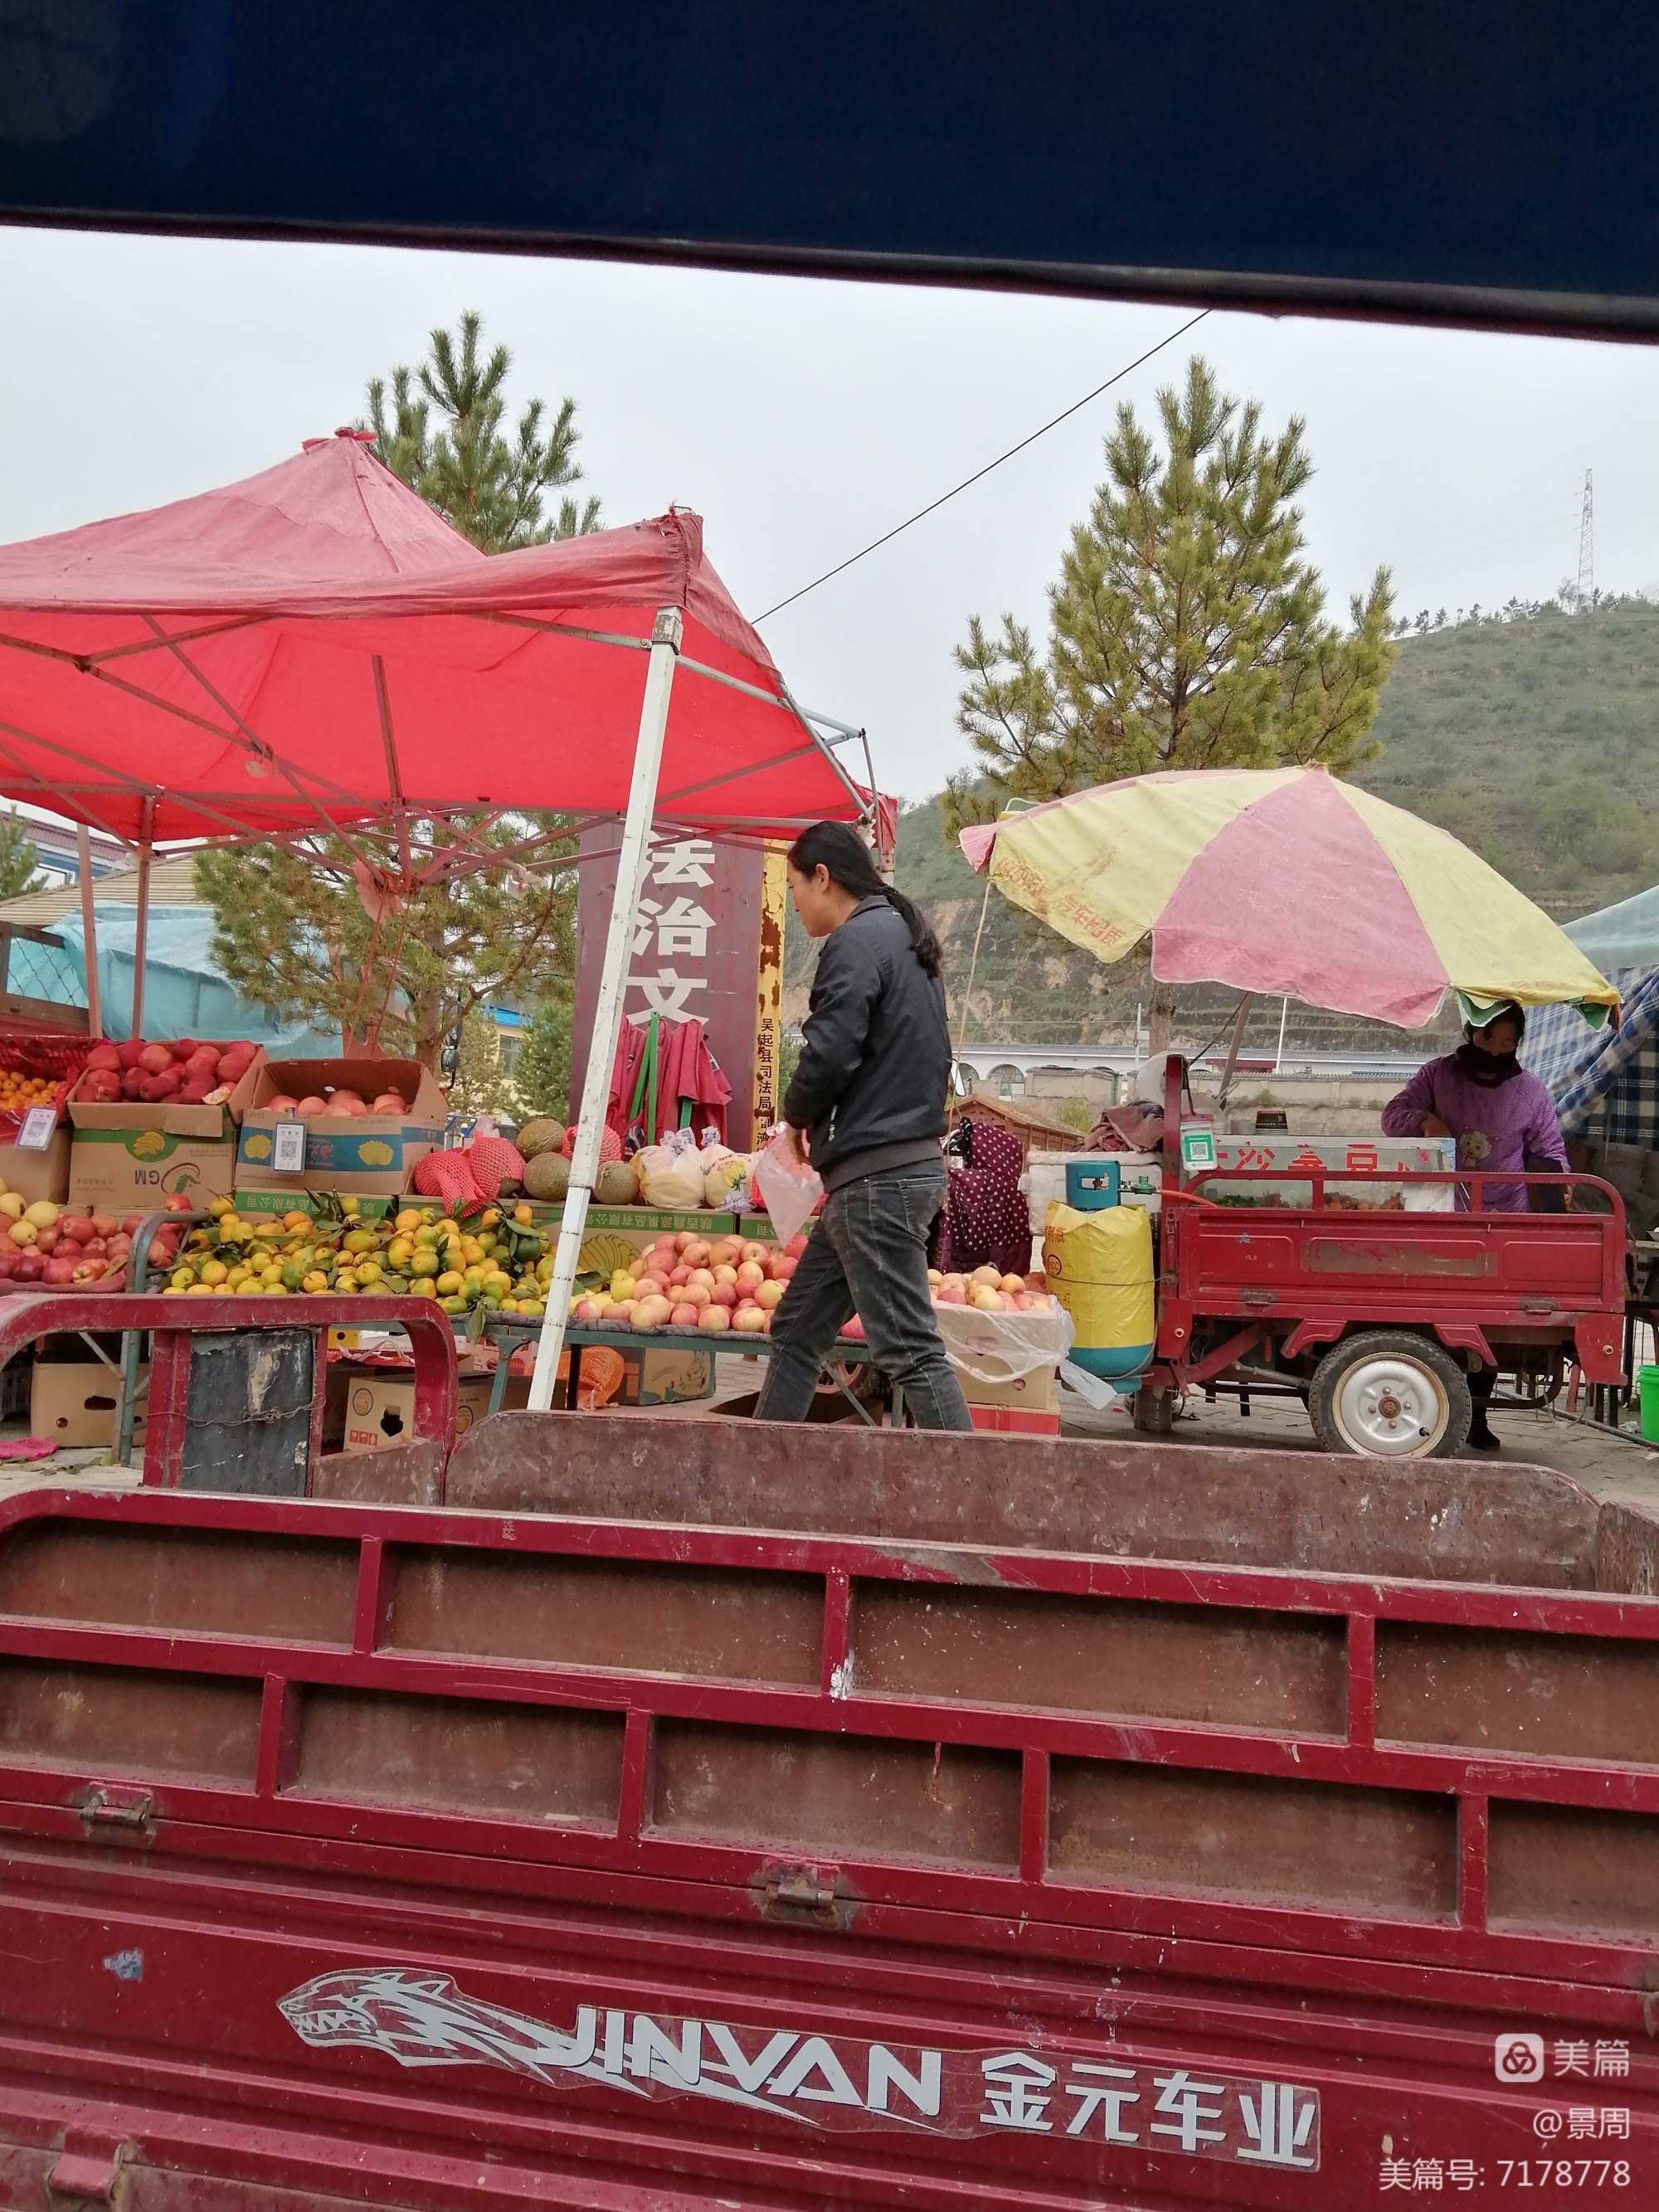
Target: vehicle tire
[[1390, 1394]]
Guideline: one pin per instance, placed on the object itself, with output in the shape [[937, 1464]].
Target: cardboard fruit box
[[129, 1154], [167, 1117], [38, 1171], [369, 1155], [378, 1407], [125, 1171], [75, 1395], [34, 1145], [51, 1066]]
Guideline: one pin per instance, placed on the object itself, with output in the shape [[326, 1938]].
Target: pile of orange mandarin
[[19, 1092]]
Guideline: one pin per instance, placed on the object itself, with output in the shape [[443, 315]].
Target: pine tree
[[1186, 630], [491, 483], [541, 1074], [19, 873], [292, 932], [480, 1086], [789, 1051]]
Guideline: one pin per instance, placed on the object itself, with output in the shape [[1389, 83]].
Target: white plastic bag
[[1094, 1389], [1003, 1347], [787, 1189], [725, 1179], [671, 1177]]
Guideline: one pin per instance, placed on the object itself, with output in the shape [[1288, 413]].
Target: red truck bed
[[1232, 1276], [692, 1815]]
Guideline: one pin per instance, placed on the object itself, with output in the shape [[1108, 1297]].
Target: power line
[[934, 506]]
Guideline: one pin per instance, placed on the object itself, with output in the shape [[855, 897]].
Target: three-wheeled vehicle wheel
[[1390, 1394]]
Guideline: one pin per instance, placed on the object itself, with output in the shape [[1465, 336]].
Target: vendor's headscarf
[[1489, 1069], [988, 1222]]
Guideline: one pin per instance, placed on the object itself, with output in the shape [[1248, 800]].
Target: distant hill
[[1525, 739]]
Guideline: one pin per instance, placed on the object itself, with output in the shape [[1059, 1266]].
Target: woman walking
[[867, 1107]]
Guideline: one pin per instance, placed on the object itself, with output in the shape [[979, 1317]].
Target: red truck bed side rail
[[179, 1327]]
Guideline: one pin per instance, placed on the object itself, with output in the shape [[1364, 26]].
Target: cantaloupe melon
[[617, 1184], [547, 1176], [543, 1134]]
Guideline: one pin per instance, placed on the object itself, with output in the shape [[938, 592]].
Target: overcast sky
[[803, 419]]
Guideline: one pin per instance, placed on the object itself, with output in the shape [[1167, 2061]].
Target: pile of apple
[[57, 1249], [990, 1292], [691, 1282], [184, 1073], [349, 1103], [985, 1289]]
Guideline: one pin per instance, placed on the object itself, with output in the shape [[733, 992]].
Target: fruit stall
[[388, 629]]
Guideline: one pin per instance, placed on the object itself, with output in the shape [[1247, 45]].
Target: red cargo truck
[[683, 1817]]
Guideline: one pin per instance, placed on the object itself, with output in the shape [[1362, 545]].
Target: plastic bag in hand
[[788, 1189]]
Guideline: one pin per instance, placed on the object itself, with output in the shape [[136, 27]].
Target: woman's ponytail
[[837, 847], [923, 943]]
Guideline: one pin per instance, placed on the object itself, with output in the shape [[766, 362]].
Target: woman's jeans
[[868, 1255]]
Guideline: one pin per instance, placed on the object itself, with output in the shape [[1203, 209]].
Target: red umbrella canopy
[[314, 645]]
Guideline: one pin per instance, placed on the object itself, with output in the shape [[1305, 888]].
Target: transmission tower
[[1587, 545]]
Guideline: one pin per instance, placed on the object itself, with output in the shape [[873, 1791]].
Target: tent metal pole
[[828, 751], [140, 927], [88, 931], [844, 730], [665, 638]]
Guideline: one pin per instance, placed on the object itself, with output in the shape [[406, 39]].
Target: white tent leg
[[88, 931], [607, 1013]]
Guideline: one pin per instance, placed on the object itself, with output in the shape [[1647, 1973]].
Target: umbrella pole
[[613, 980], [88, 931], [1233, 1043], [141, 930]]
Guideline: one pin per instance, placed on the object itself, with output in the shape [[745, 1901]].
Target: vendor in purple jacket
[[1501, 1116]]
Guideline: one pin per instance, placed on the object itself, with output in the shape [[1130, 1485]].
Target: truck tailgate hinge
[[110, 1806], [88, 2170], [802, 1895]]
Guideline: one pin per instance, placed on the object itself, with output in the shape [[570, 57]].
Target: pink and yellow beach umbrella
[[1287, 882]]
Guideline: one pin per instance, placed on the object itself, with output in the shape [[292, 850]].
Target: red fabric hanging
[[688, 1070]]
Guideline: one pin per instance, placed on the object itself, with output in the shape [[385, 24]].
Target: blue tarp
[[1622, 936], [1606, 1082], [184, 995]]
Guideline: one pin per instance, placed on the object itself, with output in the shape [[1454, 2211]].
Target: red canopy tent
[[314, 649], [316, 645]]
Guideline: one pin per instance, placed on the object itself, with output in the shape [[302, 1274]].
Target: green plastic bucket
[[1648, 1381]]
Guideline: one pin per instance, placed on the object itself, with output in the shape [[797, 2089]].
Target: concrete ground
[[1608, 1462]]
